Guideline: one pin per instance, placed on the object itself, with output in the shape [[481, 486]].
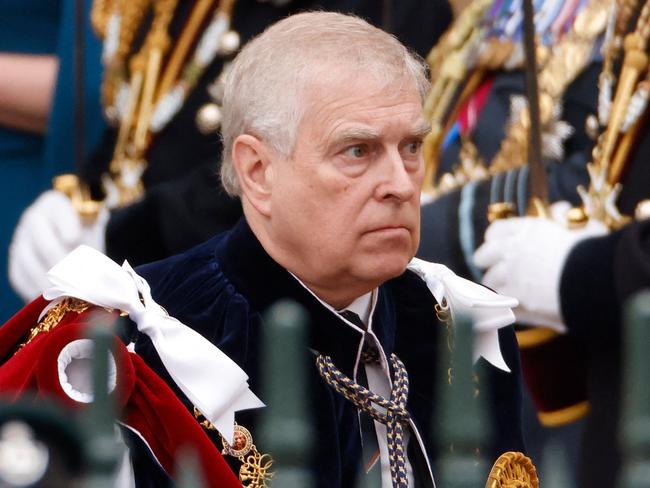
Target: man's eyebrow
[[421, 129], [355, 134]]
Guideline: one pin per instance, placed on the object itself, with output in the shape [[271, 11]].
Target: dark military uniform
[[599, 274]]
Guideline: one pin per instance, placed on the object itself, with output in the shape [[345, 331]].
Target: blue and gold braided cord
[[395, 416]]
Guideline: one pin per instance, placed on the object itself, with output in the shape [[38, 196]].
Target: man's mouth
[[390, 230]]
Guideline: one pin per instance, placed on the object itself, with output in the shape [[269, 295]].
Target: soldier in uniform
[[155, 170], [579, 280], [577, 269], [478, 152]]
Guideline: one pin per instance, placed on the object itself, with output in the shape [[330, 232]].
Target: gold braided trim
[[131, 14], [182, 46], [513, 470], [54, 317], [535, 337], [564, 416]]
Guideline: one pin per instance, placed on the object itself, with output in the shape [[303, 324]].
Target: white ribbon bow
[[488, 310], [211, 380]]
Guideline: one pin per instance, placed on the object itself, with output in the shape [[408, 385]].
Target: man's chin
[[386, 267]]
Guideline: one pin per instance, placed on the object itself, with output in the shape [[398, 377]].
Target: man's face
[[345, 209]]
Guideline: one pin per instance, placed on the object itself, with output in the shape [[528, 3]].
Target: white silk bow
[[213, 382], [488, 310]]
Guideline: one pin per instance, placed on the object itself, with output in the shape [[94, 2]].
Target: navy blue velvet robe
[[222, 289]]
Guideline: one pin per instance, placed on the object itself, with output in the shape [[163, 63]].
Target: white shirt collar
[[364, 306]]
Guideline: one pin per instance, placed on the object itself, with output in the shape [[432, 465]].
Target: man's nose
[[397, 182]]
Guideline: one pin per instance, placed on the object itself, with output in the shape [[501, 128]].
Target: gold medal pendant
[[255, 467]]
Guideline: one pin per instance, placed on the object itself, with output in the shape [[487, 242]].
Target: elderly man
[[183, 203], [322, 134]]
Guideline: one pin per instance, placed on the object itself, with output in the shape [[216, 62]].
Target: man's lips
[[389, 229]]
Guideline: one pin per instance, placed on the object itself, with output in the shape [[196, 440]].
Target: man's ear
[[252, 162]]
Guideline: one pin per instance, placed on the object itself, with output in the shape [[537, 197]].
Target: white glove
[[524, 258], [47, 231]]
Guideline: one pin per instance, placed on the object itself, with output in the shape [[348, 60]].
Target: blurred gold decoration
[[144, 89], [565, 63], [457, 6], [70, 185], [513, 470], [611, 152], [449, 65], [464, 50], [576, 217], [100, 12], [121, 20], [471, 168]]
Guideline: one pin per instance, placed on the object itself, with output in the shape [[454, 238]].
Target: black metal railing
[[286, 430]]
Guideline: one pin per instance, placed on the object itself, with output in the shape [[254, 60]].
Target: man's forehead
[[337, 78], [363, 115]]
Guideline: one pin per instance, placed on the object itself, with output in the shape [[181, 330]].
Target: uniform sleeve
[[600, 275], [632, 260]]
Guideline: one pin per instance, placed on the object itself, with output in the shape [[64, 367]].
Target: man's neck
[[339, 295], [362, 306], [338, 299]]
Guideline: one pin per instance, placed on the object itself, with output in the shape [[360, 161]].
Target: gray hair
[[264, 87]]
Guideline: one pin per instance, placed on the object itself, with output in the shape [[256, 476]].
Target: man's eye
[[358, 151], [413, 147]]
